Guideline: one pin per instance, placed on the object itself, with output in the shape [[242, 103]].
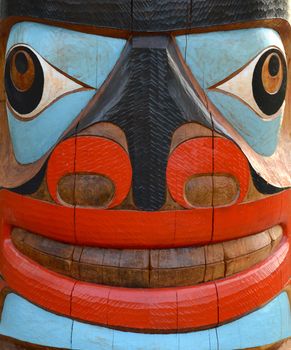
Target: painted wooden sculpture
[[145, 167]]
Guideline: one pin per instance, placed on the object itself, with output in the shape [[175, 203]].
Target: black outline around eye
[[251, 101], [268, 103], [40, 101], [24, 102]]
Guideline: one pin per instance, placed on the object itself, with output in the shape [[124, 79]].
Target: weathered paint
[[261, 135], [85, 57], [213, 57], [32, 139]]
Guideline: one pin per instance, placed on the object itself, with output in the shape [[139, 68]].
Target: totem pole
[[145, 174]]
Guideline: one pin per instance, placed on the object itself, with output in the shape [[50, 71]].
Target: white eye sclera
[[261, 84], [32, 84]]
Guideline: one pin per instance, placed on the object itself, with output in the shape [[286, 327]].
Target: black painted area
[[33, 184], [24, 102], [21, 63], [147, 15], [148, 100], [263, 186], [269, 103]]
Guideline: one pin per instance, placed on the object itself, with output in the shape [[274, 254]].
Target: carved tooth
[[276, 234], [143, 268], [243, 246], [215, 266]]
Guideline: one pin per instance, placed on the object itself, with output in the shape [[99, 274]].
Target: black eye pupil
[[29, 75], [274, 65], [268, 102], [21, 63]]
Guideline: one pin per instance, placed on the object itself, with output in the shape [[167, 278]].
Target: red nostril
[[203, 172]]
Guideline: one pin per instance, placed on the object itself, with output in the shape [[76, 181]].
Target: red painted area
[[168, 309], [25, 277], [253, 288], [90, 155], [138, 229], [206, 156]]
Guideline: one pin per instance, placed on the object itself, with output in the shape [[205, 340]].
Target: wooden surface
[[144, 268], [149, 186], [160, 15]]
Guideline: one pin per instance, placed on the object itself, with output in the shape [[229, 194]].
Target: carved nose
[[206, 172]]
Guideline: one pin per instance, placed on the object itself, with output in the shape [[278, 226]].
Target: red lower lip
[[165, 310], [137, 229]]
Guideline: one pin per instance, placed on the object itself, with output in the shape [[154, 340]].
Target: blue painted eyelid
[[86, 57], [213, 57]]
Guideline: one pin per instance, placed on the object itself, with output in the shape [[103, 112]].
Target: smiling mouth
[[149, 268], [158, 280]]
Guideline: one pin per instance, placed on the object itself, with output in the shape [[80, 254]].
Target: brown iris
[[24, 80], [272, 74], [270, 81], [22, 70]]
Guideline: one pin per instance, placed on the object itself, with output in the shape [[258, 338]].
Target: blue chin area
[[32, 139], [26, 322]]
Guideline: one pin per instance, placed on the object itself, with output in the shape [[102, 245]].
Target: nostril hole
[[208, 190], [86, 190]]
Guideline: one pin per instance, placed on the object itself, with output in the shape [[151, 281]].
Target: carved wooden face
[[145, 184]]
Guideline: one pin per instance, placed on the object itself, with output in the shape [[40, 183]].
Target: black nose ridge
[[148, 115], [148, 95]]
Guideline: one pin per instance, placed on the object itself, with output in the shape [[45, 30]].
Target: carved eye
[[32, 84], [261, 84]]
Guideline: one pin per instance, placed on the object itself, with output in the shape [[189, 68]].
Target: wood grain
[[143, 268], [161, 15], [7, 343]]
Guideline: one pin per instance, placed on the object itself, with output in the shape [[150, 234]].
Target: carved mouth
[[202, 284], [145, 268]]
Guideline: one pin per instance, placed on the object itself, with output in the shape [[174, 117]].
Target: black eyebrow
[[145, 16]]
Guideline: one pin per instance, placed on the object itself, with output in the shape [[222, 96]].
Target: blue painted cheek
[[32, 139], [86, 57], [261, 135]]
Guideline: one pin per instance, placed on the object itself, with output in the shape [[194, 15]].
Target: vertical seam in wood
[[74, 186], [212, 177], [177, 303], [71, 302], [216, 328]]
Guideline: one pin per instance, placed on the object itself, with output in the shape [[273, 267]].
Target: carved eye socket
[[32, 84], [22, 70], [270, 81], [261, 84], [24, 80]]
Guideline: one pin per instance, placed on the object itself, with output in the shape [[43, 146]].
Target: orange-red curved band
[[138, 229], [90, 155], [168, 309], [202, 156]]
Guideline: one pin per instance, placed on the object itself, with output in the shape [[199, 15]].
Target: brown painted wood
[[90, 190], [215, 264], [141, 268], [7, 343], [282, 345], [242, 263], [248, 245], [207, 190]]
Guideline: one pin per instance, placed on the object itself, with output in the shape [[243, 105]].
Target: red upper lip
[[134, 229]]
